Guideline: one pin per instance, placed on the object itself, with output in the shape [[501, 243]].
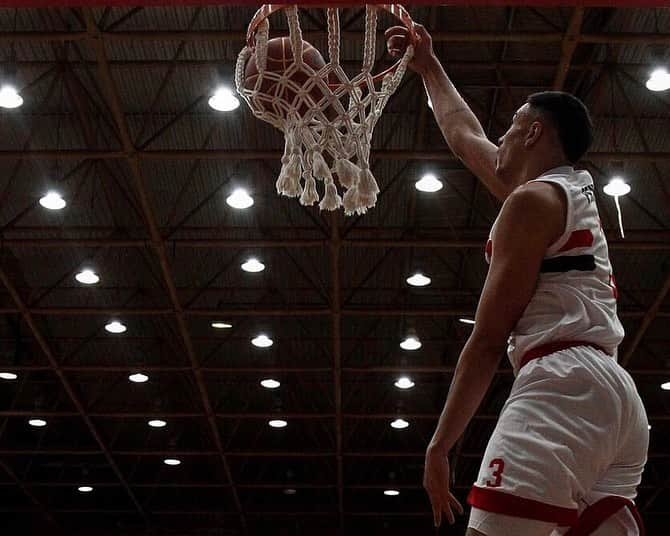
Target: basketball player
[[570, 444]]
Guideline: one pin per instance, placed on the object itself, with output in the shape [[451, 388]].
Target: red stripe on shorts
[[597, 513], [551, 347], [500, 502]]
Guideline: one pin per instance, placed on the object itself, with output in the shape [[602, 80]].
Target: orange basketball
[[279, 60]]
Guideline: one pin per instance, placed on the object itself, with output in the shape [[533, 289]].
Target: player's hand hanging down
[[397, 39], [436, 483]]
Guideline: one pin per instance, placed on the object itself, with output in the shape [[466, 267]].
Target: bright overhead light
[[404, 383], [278, 423], [240, 199], [399, 424], [391, 492], [115, 327], [659, 80], [7, 376], [157, 423], [418, 280], [221, 325], [262, 341], [87, 277], [85, 489], [138, 377], [290, 491], [466, 321], [171, 461], [410, 343], [38, 423], [9, 97], [223, 100], [665, 386], [616, 187], [428, 183], [270, 383], [649, 427], [253, 266], [52, 201]]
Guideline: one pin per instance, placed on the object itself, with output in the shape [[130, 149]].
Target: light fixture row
[[398, 424]]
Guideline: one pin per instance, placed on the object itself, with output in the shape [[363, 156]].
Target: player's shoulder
[[536, 197]]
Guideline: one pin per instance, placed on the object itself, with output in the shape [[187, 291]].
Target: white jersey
[[575, 299]]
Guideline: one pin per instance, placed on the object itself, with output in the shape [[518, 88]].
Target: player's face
[[511, 145]]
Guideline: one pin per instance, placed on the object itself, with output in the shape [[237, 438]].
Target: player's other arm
[[531, 219], [459, 125]]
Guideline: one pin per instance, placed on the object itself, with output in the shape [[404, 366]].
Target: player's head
[[569, 117], [552, 126]]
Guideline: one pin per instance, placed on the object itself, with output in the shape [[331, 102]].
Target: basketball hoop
[[325, 115]]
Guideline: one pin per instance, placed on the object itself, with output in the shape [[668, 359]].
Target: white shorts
[[573, 430]]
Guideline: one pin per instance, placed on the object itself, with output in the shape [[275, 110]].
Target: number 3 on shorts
[[499, 465]]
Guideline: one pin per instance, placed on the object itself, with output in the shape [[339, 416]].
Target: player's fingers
[[450, 515], [420, 30], [437, 514], [454, 503]]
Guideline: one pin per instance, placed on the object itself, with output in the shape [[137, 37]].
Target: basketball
[[279, 60]]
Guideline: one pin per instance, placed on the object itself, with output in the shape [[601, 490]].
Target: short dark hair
[[571, 119]]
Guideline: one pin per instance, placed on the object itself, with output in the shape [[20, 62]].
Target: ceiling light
[[9, 97], [665, 386], [157, 423], [7, 376], [616, 187], [85, 489], [391, 492], [411, 343], [466, 321], [659, 80], [138, 377], [171, 461], [240, 199], [278, 423], [404, 383], [429, 183], [223, 100], [115, 327], [253, 266], [262, 341], [399, 424], [52, 201], [649, 427], [38, 423], [270, 383], [290, 491], [418, 280], [87, 277], [221, 325]]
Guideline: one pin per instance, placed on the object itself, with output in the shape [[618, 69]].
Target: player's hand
[[397, 39], [436, 483]]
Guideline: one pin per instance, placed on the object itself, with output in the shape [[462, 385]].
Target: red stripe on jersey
[[489, 247], [500, 502], [583, 238]]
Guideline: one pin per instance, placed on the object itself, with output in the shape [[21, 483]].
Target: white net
[[326, 116]]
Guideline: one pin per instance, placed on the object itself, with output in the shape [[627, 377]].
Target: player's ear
[[533, 134]]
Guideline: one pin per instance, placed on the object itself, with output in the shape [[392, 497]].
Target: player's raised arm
[[459, 125]]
